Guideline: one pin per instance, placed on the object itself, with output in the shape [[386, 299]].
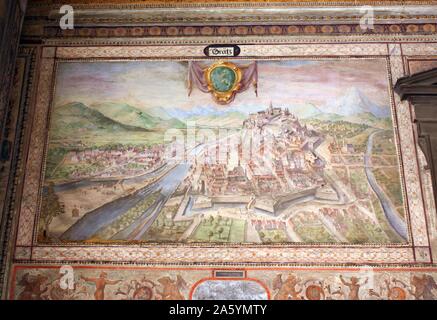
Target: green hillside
[[126, 114], [369, 119], [365, 118], [170, 123], [72, 119], [129, 115], [74, 126]]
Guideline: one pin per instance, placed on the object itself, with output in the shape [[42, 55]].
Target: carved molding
[[420, 90], [10, 109]]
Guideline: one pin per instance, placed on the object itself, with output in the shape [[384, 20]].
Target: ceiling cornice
[[267, 18], [136, 14], [226, 3]]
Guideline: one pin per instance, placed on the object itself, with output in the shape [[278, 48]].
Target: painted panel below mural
[[155, 283]]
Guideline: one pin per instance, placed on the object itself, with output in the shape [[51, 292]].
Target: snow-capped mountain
[[355, 102]]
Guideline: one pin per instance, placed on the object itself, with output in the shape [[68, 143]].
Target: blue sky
[[149, 84]]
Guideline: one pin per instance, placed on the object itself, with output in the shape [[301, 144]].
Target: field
[[388, 177], [359, 183], [384, 143], [126, 219], [220, 230], [164, 229], [310, 229], [275, 235]]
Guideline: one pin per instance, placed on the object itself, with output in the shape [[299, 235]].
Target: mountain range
[[354, 102], [197, 111], [126, 114], [71, 118]]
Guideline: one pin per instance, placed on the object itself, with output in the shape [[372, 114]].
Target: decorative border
[[31, 190], [408, 280], [227, 3], [167, 52], [238, 30], [231, 254], [241, 255], [28, 56]]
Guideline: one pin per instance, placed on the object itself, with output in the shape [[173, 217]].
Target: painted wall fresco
[[311, 158], [300, 283]]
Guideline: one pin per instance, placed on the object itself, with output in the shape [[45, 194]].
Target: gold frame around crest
[[223, 97]]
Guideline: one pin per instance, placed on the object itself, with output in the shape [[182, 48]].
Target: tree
[[262, 235], [171, 224], [51, 207], [211, 220], [220, 232], [210, 234]]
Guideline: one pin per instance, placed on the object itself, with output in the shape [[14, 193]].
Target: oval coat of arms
[[223, 80]]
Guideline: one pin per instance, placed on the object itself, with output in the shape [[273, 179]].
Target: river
[[101, 217], [96, 181], [390, 211]]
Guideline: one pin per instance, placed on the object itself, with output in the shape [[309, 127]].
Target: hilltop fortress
[[282, 164]]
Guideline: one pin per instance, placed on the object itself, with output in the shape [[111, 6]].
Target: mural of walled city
[[311, 158]]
